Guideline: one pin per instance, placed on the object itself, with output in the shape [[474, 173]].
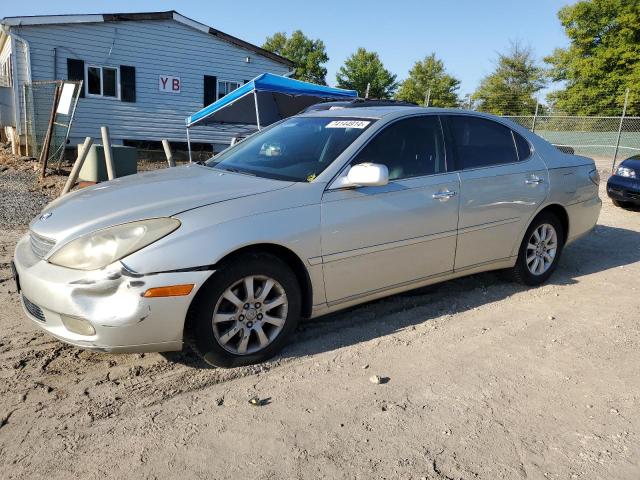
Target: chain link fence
[[39, 98], [605, 139]]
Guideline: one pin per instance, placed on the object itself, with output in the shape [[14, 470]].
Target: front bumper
[[110, 299], [624, 189]]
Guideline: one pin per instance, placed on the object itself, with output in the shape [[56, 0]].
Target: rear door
[[502, 183], [375, 238]]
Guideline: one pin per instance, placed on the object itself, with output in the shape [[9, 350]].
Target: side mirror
[[364, 175]]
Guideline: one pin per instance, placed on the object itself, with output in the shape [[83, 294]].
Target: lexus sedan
[[316, 213], [623, 187]]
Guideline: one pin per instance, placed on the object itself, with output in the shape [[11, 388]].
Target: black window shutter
[[75, 71], [210, 89], [127, 83]]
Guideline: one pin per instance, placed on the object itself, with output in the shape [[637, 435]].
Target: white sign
[[348, 124], [169, 84], [64, 104]]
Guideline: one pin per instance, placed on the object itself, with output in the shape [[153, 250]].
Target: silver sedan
[[316, 213]]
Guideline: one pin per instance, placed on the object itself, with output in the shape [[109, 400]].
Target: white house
[[143, 73]]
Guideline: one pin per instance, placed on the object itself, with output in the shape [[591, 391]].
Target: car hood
[[160, 193]]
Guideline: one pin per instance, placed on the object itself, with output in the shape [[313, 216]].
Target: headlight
[[99, 249], [626, 172]]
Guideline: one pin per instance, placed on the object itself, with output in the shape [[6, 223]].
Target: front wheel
[[540, 250], [246, 311], [620, 204]]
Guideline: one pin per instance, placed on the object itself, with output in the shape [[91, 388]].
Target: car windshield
[[297, 149]]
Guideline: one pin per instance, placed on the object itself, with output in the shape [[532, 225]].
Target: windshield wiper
[[237, 170]]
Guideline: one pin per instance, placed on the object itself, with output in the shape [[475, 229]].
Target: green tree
[[428, 77], [307, 55], [602, 61], [511, 88], [363, 68]]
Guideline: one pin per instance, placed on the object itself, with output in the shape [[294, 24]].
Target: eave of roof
[[140, 16]]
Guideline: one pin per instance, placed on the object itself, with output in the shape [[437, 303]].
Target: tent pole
[[255, 99], [189, 145]]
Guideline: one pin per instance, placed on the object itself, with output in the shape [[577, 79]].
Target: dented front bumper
[[111, 299]]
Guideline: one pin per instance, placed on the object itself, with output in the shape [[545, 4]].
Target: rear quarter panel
[[572, 188]]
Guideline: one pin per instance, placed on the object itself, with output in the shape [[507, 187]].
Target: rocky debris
[[259, 402], [378, 380], [19, 201]]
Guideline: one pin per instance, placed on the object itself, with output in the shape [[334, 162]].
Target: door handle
[[444, 195], [534, 180]]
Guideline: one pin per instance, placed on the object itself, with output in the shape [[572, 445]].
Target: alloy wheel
[[541, 249], [250, 314]]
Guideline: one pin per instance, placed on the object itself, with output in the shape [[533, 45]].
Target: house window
[[102, 81], [226, 86]]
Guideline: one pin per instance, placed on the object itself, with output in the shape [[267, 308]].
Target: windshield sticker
[[348, 124]]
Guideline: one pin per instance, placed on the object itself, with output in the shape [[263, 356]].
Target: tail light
[[594, 176]]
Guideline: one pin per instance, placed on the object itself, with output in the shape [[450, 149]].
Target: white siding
[[154, 48], [5, 52], [20, 76], [7, 93]]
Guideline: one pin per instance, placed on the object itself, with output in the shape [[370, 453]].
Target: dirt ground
[[485, 379]]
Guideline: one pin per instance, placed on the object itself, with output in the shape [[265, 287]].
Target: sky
[[466, 34]]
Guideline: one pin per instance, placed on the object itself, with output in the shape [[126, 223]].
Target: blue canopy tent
[[263, 101]]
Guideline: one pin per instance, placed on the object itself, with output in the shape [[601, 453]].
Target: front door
[[374, 238], [502, 183]]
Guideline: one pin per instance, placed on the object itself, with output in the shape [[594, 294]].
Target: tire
[[523, 271], [215, 318], [620, 204]]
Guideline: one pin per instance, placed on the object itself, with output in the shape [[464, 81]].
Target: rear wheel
[[246, 312], [540, 250]]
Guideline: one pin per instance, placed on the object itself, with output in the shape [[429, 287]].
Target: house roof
[[140, 16]]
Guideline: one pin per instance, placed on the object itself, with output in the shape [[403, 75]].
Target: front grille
[[33, 309], [41, 245]]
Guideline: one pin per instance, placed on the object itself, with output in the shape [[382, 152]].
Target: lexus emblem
[[44, 216]]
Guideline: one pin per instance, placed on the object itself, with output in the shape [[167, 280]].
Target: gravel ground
[[485, 379], [20, 197]]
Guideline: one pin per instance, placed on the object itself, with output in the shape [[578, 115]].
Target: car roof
[[379, 112], [358, 103]]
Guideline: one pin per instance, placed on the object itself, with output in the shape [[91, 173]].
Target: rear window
[[478, 142], [524, 149]]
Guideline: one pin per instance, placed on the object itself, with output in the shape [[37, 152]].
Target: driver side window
[[412, 147]]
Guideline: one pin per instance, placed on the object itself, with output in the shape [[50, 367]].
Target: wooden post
[[106, 147], [77, 166], [44, 155], [167, 152]]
